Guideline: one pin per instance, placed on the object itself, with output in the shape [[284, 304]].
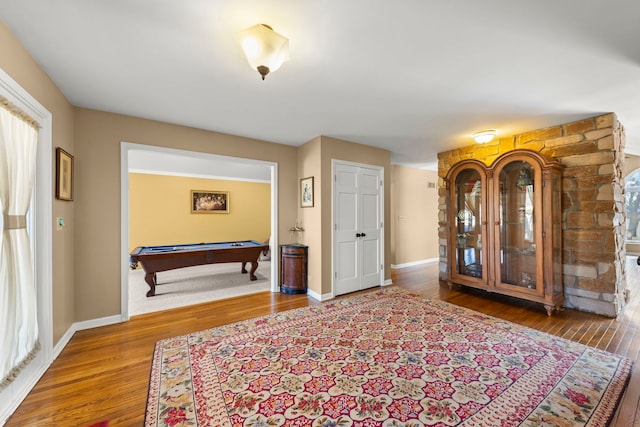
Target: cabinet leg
[[549, 309]]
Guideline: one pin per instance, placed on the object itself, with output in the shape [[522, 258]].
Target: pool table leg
[[150, 278], [254, 267]]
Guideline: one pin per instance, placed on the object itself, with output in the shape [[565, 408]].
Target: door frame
[[380, 169], [41, 219], [125, 147]]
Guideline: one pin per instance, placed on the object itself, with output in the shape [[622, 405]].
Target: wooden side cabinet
[[293, 268]]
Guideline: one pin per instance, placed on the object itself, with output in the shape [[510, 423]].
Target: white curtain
[[18, 314]]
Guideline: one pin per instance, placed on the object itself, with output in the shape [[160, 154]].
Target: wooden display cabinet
[[293, 269], [505, 227]]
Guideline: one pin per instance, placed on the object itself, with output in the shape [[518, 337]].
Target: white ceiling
[[414, 77]]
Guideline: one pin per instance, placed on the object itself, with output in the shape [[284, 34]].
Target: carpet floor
[[383, 358], [194, 285]]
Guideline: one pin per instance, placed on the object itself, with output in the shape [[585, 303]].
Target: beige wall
[[86, 253], [309, 164], [18, 64], [631, 163], [97, 138], [160, 211], [315, 159], [414, 215]]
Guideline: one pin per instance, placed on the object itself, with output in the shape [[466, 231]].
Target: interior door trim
[[334, 163]]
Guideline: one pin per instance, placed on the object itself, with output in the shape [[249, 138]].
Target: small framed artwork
[[209, 201], [306, 192], [64, 175]]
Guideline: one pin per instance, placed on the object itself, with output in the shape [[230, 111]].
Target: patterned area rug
[[384, 358]]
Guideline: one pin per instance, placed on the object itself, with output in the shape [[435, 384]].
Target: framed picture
[[209, 201], [306, 192], [64, 175]]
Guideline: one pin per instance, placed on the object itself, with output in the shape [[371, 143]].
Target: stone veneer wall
[[593, 205]]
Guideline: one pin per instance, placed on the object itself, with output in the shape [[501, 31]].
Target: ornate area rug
[[384, 358]]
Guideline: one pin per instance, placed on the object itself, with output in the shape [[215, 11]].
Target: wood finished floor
[[103, 373]]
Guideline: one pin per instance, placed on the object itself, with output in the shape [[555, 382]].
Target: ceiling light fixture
[[265, 49], [484, 136]]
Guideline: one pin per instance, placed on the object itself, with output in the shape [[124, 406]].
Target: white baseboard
[[94, 323], [9, 407], [63, 341], [80, 326], [414, 263], [326, 297], [20, 395], [318, 297]]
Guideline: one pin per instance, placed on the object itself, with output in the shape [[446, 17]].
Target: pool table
[[162, 258]]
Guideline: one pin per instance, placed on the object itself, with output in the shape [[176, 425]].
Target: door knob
[[362, 234], [358, 234]]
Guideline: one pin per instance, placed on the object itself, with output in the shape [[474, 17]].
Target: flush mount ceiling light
[[484, 136], [265, 49]]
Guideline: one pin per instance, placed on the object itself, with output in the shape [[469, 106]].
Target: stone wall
[[593, 205]]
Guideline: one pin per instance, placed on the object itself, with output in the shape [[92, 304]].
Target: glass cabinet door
[[517, 228], [468, 217], [556, 219], [520, 253]]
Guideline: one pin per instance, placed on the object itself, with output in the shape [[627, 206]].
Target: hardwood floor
[[103, 373]]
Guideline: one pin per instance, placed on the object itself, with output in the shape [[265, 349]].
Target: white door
[[357, 227], [370, 227]]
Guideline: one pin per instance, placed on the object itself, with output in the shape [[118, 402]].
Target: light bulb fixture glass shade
[[484, 136], [265, 49]]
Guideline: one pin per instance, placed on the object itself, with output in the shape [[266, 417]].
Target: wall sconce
[[296, 230], [265, 49], [484, 136]]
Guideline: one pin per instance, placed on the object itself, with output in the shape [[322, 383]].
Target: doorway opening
[[182, 164], [632, 202]]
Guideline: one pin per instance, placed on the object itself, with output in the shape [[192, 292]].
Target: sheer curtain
[[18, 314]]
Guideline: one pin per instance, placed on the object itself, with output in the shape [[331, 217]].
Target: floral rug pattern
[[385, 358]]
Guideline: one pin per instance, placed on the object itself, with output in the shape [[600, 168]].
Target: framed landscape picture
[[209, 201], [306, 192], [64, 175]]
